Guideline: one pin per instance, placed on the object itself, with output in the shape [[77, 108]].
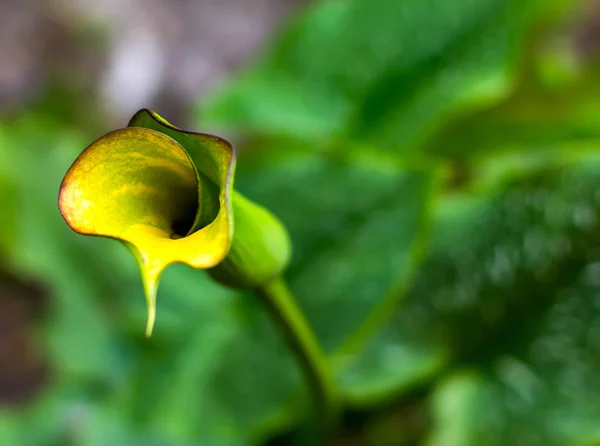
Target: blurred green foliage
[[437, 165]]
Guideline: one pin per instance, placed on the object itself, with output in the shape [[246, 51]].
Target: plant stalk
[[300, 337]]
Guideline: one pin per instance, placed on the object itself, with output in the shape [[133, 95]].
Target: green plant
[[167, 194], [439, 165]]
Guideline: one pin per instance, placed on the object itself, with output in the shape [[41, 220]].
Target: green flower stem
[[282, 306]]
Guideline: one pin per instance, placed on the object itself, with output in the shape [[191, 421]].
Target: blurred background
[[437, 163]]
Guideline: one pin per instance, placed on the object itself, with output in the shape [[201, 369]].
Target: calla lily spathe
[[167, 194]]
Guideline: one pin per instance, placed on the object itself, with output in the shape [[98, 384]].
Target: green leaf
[[47, 254], [542, 390], [171, 386], [494, 263], [382, 72], [358, 227], [220, 372], [532, 116]]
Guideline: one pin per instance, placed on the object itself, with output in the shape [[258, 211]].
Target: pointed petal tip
[[150, 279], [150, 321]]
